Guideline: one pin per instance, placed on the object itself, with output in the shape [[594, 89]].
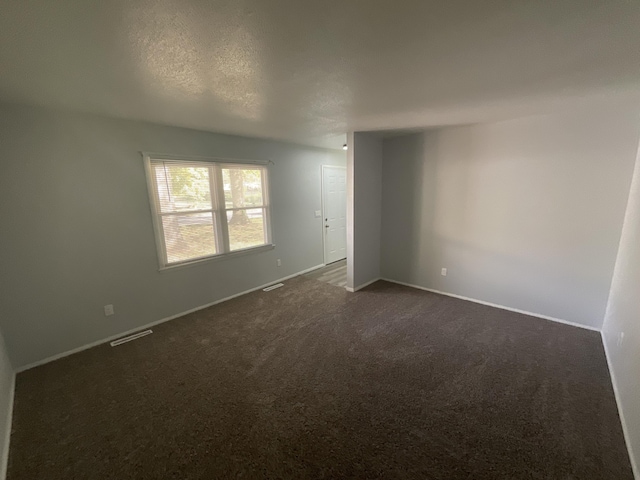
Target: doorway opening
[[334, 213]]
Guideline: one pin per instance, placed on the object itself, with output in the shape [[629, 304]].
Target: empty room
[[301, 240]]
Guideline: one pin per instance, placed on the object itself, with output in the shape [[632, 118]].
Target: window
[[207, 209]]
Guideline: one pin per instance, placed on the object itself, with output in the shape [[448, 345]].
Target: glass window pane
[[189, 236], [242, 187], [182, 188], [246, 228]]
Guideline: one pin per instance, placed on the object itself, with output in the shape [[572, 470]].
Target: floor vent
[[135, 336], [273, 287]]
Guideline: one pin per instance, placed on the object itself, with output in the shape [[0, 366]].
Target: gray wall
[[364, 176], [6, 401], [621, 330], [77, 231], [524, 213]]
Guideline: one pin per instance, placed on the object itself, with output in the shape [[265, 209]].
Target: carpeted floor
[[309, 381]]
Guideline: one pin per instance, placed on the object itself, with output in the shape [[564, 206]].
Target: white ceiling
[[307, 71]]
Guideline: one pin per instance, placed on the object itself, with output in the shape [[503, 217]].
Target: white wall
[[524, 213], [622, 323], [6, 403], [77, 232], [364, 197]]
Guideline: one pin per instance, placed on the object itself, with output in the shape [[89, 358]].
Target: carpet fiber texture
[[309, 381]]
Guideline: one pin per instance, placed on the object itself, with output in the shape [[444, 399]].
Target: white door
[[334, 204]]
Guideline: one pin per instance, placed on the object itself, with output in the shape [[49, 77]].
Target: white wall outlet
[[443, 272], [318, 213], [108, 310], [278, 263], [620, 338]]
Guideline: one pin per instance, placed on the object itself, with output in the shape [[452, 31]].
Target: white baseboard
[[303, 272], [625, 429], [360, 287], [157, 322], [7, 434], [495, 305]]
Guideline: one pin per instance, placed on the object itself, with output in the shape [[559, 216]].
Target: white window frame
[[218, 206]]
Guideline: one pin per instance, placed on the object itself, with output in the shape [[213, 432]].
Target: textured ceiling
[[309, 70]]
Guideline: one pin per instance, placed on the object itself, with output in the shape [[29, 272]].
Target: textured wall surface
[[301, 70], [621, 330], [525, 213], [78, 231]]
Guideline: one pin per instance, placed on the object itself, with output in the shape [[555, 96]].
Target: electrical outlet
[[318, 213], [278, 263], [108, 310], [443, 272]]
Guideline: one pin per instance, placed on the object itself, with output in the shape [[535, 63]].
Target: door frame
[[324, 250]]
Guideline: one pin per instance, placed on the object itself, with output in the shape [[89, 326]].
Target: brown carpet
[[309, 381]]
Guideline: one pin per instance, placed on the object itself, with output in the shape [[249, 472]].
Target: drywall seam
[[495, 305], [7, 434], [157, 322], [360, 287], [625, 430]]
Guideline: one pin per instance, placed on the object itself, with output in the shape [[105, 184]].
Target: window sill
[[219, 257]]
